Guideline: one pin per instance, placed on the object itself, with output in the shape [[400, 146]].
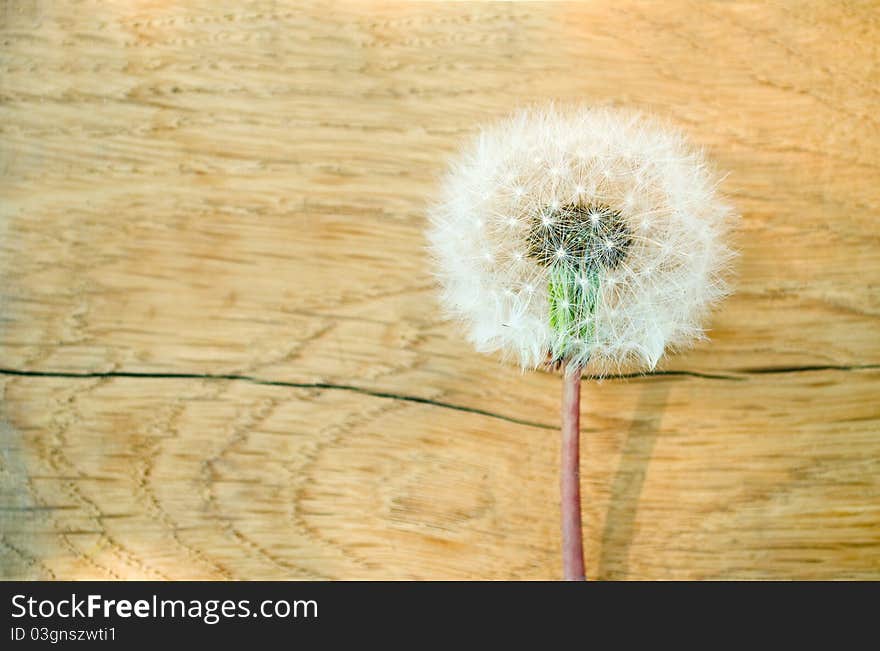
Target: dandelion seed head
[[617, 258]]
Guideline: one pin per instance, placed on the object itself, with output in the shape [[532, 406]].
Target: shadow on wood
[[629, 479]]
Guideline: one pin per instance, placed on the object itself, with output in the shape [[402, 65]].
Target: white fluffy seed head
[[589, 236]]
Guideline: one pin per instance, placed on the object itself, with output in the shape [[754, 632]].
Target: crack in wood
[[388, 395], [329, 386], [773, 370]]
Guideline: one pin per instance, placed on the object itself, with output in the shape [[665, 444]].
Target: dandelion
[[620, 244]]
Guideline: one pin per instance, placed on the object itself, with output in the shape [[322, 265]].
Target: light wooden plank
[[682, 478], [239, 189]]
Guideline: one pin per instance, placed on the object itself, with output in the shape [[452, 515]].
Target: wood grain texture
[[221, 351]]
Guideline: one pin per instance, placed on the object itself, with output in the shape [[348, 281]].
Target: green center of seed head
[[578, 244]]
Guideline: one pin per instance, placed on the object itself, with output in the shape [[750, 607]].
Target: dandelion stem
[[572, 542]]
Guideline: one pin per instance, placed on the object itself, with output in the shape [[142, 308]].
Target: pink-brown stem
[[572, 541]]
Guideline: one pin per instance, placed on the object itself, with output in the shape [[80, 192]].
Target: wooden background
[[220, 347]]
